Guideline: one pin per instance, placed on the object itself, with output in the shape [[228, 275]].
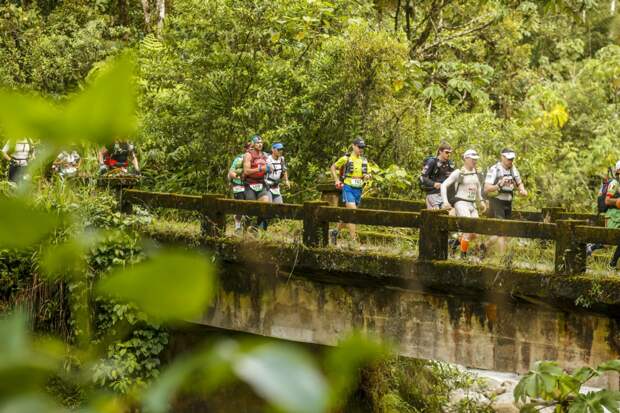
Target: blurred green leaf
[[21, 225], [63, 261], [103, 111], [209, 369], [173, 285], [106, 109], [24, 368], [343, 362], [611, 365], [285, 377]]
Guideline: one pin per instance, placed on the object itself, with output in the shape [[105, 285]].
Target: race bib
[[357, 182], [238, 188], [256, 187], [471, 193]]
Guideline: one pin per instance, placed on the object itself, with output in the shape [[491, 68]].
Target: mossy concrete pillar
[[316, 231], [213, 222], [570, 255], [550, 214], [124, 204], [433, 244], [329, 193]]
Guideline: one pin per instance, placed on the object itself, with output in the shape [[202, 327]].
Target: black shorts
[[239, 196], [500, 209]]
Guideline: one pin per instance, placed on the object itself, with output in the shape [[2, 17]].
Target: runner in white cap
[[468, 191], [499, 185]]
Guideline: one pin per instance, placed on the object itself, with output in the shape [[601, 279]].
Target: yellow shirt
[[355, 177]]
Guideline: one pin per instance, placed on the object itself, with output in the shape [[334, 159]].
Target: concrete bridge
[[430, 308]]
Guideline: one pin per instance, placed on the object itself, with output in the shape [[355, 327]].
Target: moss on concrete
[[374, 268]]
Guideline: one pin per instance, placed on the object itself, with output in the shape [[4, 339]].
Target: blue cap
[[277, 146], [256, 139]]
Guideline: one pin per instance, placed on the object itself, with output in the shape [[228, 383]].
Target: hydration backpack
[[601, 206]]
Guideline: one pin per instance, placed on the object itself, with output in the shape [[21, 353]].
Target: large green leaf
[[284, 376], [105, 110], [208, 368], [173, 285], [22, 225]]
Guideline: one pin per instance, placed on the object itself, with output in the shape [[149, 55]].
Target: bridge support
[[433, 244], [550, 214], [213, 223], [316, 231], [570, 255]]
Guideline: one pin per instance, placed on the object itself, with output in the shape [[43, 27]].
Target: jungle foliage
[[540, 77]]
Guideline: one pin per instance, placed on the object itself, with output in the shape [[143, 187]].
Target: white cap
[[508, 153], [470, 153], [618, 166]]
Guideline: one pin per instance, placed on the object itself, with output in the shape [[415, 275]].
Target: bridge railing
[[570, 235], [332, 195]]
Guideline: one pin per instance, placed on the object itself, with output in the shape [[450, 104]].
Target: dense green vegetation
[[542, 77]]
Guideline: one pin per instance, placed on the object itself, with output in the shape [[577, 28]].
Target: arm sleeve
[[516, 175], [480, 191], [5, 148], [490, 178], [284, 168], [612, 188], [426, 171], [444, 186]]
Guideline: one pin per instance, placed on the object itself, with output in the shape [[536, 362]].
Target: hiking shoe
[[333, 236]]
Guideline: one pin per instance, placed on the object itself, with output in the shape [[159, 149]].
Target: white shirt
[[511, 177], [68, 162], [278, 167], [21, 150], [468, 189]]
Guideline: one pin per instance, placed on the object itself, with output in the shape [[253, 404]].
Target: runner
[[613, 211], [235, 178], [67, 163], [18, 154], [499, 186], [468, 193], [278, 173], [254, 169], [436, 170], [350, 172], [118, 155]]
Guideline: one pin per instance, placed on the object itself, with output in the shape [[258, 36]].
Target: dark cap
[[257, 139], [359, 142]]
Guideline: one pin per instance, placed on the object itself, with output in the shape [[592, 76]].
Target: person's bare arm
[[445, 185], [247, 165], [100, 155], [134, 161], [335, 173]]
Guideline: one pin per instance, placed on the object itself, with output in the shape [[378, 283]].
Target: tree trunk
[[123, 17], [396, 16], [161, 14], [146, 9]]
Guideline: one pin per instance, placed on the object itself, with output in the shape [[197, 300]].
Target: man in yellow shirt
[[350, 173]]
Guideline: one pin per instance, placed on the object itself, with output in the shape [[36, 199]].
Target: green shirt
[[613, 214], [237, 167]]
